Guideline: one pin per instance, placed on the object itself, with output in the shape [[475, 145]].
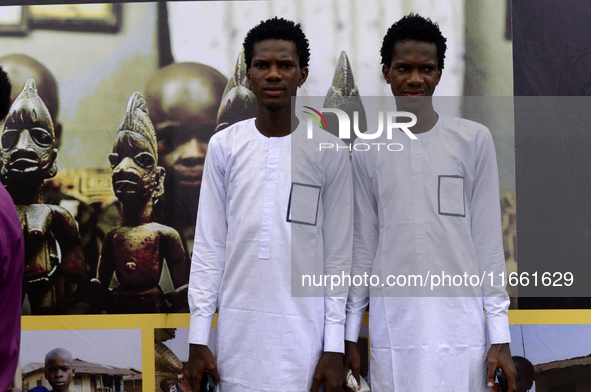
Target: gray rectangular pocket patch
[[303, 204], [450, 196]]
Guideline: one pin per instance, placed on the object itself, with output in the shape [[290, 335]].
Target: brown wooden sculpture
[[344, 95], [238, 101], [183, 99], [55, 275], [136, 250], [20, 68]]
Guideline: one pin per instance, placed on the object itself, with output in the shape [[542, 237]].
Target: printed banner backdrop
[[107, 357], [555, 343], [101, 54], [551, 61]]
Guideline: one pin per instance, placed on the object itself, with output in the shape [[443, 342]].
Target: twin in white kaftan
[[431, 208], [270, 209]]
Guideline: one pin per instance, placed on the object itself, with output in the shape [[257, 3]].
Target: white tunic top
[[270, 210], [431, 208]]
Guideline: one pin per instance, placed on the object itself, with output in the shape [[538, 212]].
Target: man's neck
[[426, 120], [276, 123]]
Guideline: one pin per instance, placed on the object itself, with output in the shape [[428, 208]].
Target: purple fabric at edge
[[12, 261]]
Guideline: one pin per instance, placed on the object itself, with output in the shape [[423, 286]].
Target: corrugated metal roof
[[166, 360], [31, 367], [83, 367], [562, 364]]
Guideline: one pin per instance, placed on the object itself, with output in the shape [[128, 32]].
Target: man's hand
[[330, 371], [201, 360], [500, 355], [352, 361]]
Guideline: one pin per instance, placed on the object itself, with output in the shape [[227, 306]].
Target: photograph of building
[[89, 377]]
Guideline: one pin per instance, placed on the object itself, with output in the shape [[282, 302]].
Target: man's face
[[182, 146], [134, 168], [27, 145], [275, 73], [59, 372], [413, 74]]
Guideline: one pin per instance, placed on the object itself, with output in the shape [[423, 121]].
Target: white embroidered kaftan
[[431, 208], [270, 209]]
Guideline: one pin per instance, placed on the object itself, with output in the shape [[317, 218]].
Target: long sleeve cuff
[[353, 326], [334, 338], [199, 330], [498, 329]]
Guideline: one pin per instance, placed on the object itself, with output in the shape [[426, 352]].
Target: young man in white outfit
[[430, 208], [271, 205]]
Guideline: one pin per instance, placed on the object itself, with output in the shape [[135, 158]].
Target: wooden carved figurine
[[344, 95], [55, 276], [135, 251], [184, 99], [238, 101]]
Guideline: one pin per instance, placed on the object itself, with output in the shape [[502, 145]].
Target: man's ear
[[303, 76], [386, 73], [73, 371], [439, 75], [248, 76]]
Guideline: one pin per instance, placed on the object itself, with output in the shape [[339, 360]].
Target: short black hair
[[413, 27], [528, 368], [166, 381], [277, 28], [5, 90]]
